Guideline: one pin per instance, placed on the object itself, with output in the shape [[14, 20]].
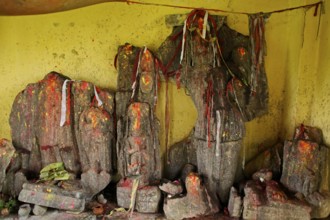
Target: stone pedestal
[[267, 201], [53, 197], [147, 198]]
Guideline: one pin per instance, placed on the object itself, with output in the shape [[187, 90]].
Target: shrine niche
[[80, 148]]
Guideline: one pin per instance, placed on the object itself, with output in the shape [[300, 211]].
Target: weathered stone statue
[[305, 162], [224, 75], [61, 120], [137, 143]]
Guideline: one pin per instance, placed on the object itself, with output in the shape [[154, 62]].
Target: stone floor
[[56, 215]]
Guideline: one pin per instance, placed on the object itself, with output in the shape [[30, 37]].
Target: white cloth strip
[[205, 25], [63, 103], [99, 101], [183, 40], [217, 145], [137, 72]]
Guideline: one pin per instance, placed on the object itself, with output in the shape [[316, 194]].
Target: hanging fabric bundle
[[258, 48]]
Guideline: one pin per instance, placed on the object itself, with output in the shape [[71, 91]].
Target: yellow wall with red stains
[[82, 44]]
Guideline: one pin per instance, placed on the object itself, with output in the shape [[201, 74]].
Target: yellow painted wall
[[82, 44], [320, 110]]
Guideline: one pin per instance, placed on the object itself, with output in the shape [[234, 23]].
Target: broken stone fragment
[[265, 200], [13, 183], [7, 151], [180, 154], [172, 188], [320, 204], [94, 182], [302, 166], [268, 159], [39, 210], [24, 211], [263, 175], [196, 203], [53, 197], [187, 169], [234, 204], [304, 132], [147, 198], [101, 199]]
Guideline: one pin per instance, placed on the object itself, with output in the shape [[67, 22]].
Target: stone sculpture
[[61, 120], [224, 75], [137, 129], [196, 203], [305, 159]]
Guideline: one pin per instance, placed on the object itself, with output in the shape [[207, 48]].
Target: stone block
[[302, 166], [39, 210], [265, 200], [263, 175], [172, 188], [234, 204], [196, 203], [53, 197], [320, 204], [147, 198], [94, 182]]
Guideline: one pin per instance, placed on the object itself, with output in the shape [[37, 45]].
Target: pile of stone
[[300, 193]]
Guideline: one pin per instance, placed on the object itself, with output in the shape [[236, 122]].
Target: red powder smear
[[94, 120], [125, 183], [146, 80], [47, 147], [147, 56], [230, 87], [305, 147], [137, 114], [194, 182], [241, 51], [200, 23], [30, 90], [137, 141], [106, 114], [128, 48], [84, 85]]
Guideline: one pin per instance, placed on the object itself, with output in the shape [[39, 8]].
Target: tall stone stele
[[224, 75], [137, 129]]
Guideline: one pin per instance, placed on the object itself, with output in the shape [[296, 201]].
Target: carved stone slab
[[51, 196], [268, 201], [147, 198]]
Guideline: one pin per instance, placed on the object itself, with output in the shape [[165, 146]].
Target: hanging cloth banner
[[258, 47]]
